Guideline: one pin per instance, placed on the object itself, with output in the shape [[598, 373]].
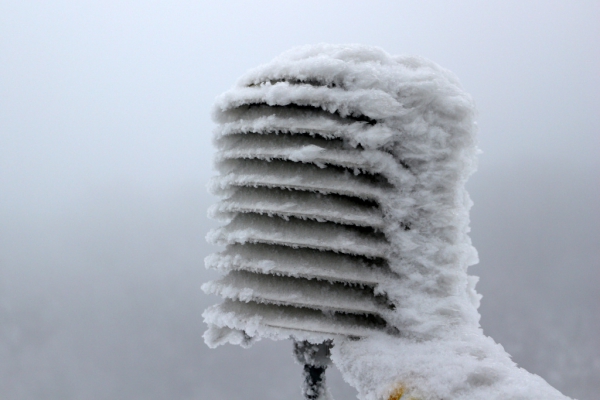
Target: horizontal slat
[[291, 175], [310, 149], [252, 228], [282, 321], [303, 263], [276, 140], [247, 286], [301, 204], [288, 120], [314, 81], [364, 104], [294, 148], [315, 122]]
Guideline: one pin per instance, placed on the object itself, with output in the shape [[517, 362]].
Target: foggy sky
[[105, 153]]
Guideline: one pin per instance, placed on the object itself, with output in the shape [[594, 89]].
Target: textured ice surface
[[342, 177]]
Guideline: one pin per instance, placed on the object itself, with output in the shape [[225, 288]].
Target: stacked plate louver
[[304, 183], [304, 241]]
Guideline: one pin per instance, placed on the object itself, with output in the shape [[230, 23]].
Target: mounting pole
[[315, 358]]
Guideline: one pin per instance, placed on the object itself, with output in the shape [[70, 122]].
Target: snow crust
[[403, 118]]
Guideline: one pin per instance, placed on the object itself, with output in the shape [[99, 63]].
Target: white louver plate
[[247, 286], [253, 228], [299, 204], [298, 176], [294, 148], [283, 321], [303, 263]]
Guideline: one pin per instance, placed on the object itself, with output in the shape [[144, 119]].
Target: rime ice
[[342, 174]]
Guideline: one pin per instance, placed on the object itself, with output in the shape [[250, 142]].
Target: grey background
[[105, 152]]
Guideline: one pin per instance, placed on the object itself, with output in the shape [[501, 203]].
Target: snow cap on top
[[349, 80]]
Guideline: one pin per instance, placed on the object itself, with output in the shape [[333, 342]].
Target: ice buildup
[[342, 175]]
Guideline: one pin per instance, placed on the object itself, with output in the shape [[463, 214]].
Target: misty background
[[105, 153]]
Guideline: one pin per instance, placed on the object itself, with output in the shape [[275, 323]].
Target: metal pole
[[315, 358]]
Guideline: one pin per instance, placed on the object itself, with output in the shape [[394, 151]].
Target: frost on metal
[[342, 175]]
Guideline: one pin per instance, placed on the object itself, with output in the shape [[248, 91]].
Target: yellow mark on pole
[[396, 393]]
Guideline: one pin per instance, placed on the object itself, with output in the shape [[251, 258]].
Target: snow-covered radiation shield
[[341, 178], [342, 175]]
